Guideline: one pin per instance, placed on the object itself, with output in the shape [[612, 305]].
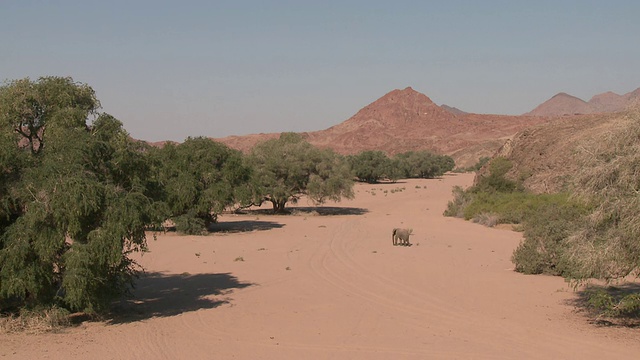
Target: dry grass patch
[[36, 322]]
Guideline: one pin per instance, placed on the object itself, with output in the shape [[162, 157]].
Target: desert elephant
[[402, 235]]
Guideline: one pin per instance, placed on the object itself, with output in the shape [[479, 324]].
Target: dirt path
[[333, 287]]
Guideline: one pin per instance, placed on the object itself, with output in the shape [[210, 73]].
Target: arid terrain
[[327, 283]]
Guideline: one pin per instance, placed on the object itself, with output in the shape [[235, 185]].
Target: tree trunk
[[278, 206]]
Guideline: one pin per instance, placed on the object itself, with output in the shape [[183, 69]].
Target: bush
[[613, 302], [514, 208], [547, 219], [546, 229], [461, 200], [190, 224], [496, 180], [35, 321], [486, 219]]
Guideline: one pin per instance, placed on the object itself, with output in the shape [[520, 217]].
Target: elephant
[[402, 235]]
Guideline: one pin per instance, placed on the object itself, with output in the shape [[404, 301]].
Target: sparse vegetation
[[591, 232], [476, 167], [486, 219], [547, 219], [36, 321]]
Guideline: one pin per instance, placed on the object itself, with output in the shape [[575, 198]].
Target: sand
[[330, 285]]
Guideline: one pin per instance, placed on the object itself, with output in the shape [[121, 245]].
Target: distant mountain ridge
[[407, 120], [563, 104]]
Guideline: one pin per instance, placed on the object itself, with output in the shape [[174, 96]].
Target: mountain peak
[[607, 102], [561, 95], [561, 104], [404, 96]]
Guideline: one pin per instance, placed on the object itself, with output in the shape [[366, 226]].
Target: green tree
[[371, 166], [289, 167], [75, 199], [201, 178], [54, 103], [424, 164]]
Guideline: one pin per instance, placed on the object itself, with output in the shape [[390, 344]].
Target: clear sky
[[172, 69]]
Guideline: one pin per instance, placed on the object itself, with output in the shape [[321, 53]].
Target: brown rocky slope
[[548, 157]]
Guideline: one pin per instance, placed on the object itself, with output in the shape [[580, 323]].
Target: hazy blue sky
[[172, 69]]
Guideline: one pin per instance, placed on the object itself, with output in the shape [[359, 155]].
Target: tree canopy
[[371, 165], [74, 198], [200, 178], [289, 167], [374, 165], [424, 164]]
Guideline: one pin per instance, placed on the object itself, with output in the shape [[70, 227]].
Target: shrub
[[496, 180], [189, 225], [613, 302], [36, 321], [487, 219], [546, 229], [461, 200]]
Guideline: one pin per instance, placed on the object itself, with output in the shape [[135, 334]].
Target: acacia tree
[[372, 165], [424, 164], [74, 199], [54, 103], [200, 178], [289, 167]]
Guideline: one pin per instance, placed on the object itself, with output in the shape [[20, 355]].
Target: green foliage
[[371, 166], [288, 167], [423, 164], [547, 225], [457, 206], [496, 180], [547, 219], [54, 103], [481, 162], [492, 193], [75, 199], [514, 208], [199, 179], [614, 302]]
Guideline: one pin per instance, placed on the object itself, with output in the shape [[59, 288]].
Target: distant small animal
[[401, 237]]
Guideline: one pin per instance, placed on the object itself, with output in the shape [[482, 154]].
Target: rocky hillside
[[549, 156], [564, 104], [406, 120]]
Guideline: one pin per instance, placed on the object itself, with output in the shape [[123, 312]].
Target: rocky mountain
[[406, 120], [454, 110], [564, 104]]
